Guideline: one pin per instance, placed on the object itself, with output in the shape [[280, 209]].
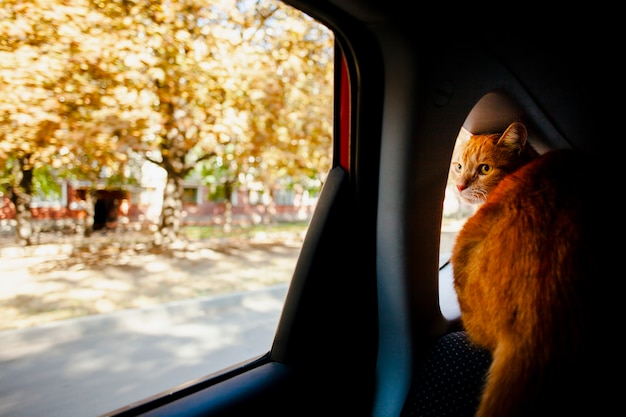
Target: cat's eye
[[484, 169], [457, 166]]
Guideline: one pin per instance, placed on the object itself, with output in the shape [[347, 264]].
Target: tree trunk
[[21, 198], [90, 202], [171, 213], [228, 207]]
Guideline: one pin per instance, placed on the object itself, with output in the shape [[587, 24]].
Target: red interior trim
[[345, 114]]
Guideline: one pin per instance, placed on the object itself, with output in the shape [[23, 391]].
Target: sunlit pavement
[[89, 366]]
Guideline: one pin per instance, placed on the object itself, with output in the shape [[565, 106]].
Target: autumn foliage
[[229, 90]]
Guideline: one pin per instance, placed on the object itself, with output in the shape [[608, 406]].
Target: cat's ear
[[514, 136]]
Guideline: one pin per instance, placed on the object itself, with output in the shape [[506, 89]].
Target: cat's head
[[482, 161]]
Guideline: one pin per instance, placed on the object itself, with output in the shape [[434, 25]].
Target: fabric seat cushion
[[451, 381]]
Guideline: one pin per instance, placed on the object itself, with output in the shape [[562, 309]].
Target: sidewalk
[[89, 366], [52, 282]]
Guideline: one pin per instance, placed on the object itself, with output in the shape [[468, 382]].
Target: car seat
[[450, 381]]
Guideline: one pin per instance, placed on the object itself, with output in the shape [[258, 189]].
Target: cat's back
[[556, 188], [557, 202], [563, 173]]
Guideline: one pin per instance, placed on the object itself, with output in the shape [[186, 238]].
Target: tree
[[188, 83], [185, 84], [212, 70], [278, 123], [64, 102]]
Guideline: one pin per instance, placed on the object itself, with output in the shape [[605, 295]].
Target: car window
[[455, 213], [159, 165]]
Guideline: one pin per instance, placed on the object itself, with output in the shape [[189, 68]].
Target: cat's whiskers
[[479, 194], [474, 196]]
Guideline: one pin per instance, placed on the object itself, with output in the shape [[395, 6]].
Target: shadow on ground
[[121, 271]]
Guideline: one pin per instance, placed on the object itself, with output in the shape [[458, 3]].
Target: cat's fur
[[525, 269], [480, 162]]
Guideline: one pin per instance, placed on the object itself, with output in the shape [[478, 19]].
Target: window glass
[[159, 165], [190, 195], [455, 213]]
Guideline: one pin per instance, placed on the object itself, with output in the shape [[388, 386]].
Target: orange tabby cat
[[525, 275], [483, 160]]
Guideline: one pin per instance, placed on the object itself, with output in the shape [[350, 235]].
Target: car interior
[[362, 332]]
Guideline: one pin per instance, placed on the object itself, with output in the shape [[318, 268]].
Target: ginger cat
[[483, 160], [524, 267]]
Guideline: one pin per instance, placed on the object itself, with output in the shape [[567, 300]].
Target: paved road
[[89, 366]]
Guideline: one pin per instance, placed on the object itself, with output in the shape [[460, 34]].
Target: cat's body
[[523, 270]]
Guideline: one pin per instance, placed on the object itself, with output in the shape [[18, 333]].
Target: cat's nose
[[460, 187]]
